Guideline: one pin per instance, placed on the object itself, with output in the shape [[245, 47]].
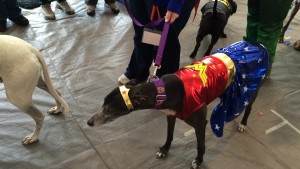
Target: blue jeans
[[143, 54], [9, 9]]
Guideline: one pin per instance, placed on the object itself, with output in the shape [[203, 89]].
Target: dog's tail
[[49, 83], [215, 8]]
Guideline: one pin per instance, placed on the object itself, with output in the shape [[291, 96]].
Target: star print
[[246, 103], [259, 60], [217, 127], [123, 92], [243, 75], [236, 114], [246, 49], [245, 89]]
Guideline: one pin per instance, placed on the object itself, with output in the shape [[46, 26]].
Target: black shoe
[[20, 20], [2, 25]]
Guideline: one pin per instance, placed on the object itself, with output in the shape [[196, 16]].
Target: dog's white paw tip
[[29, 139], [241, 128], [54, 110], [160, 154], [195, 165]]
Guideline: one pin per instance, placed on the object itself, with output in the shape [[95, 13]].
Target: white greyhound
[[20, 70]]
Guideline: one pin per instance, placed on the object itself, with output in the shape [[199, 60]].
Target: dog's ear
[[140, 101]]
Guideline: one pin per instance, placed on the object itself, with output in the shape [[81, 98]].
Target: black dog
[[215, 15], [215, 75]]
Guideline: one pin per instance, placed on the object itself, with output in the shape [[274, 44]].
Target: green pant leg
[[252, 20], [272, 15]]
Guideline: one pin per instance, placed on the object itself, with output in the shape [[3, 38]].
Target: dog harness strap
[[124, 92], [161, 94]]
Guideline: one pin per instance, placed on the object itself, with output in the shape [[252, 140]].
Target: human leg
[[3, 16], [14, 13], [171, 56], [64, 5], [271, 23], [142, 55], [252, 20], [91, 7], [111, 4], [46, 10]]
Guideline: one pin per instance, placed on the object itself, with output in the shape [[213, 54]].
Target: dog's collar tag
[[124, 92], [161, 94]]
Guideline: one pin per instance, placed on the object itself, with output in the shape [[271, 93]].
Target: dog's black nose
[[91, 122]]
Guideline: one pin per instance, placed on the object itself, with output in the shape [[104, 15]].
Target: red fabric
[[199, 92], [196, 8]]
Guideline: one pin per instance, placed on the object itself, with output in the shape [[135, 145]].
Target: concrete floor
[[86, 55]]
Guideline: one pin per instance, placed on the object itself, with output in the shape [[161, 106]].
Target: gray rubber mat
[[85, 56]]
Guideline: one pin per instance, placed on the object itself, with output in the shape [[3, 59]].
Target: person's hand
[[171, 16]]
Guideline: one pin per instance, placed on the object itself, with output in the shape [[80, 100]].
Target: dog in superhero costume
[[233, 73]]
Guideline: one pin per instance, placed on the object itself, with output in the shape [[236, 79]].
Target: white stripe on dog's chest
[[169, 112]]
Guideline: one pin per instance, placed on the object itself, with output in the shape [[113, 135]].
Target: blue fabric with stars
[[251, 61]]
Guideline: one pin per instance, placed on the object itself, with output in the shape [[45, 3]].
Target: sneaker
[[20, 20], [113, 7], [2, 25], [123, 79], [297, 45], [90, 10], [47, 12], [65, 7]]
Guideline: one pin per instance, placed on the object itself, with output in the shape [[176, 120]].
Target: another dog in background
[[185, 94], [293, 13], [20, 71], [215, 15]]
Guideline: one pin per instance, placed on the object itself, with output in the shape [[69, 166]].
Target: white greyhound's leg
[[53, 110], [19, 92], [24, 103]]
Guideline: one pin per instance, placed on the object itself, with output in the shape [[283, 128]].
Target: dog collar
[[161, 94], [124, 92], [230, 66]]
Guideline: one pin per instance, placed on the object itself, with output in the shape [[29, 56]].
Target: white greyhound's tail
[[49, 83]]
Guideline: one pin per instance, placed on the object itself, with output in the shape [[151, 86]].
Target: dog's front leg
[[242, 125], [163, 151], [198, 121], [200, 134]]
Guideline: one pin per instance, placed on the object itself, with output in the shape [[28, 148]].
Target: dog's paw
[[193, 55], [223, 35], [196, 164], [54, 110], [241, 128], [161, 154], [31, 138]]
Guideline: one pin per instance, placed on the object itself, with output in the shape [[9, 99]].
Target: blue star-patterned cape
[[251, 61]]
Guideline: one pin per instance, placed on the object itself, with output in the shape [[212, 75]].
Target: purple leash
[[161, 94]]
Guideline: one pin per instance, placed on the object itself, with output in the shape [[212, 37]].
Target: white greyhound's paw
[[195, 165], [160, 154], [54, 110], [31, 138], [241, 128]]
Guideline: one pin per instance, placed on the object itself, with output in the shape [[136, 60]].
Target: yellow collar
[[124, 92]]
